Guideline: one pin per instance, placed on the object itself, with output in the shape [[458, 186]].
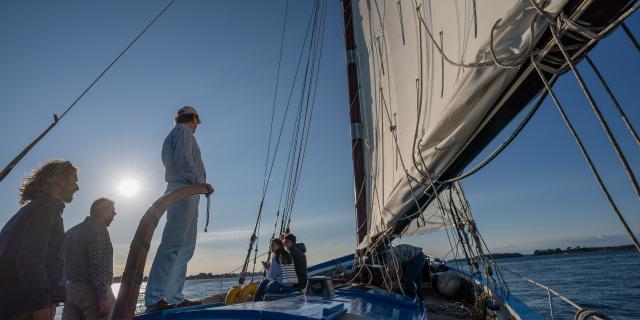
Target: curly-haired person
[[31, 261]]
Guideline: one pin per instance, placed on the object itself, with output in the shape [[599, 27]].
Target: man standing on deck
[[31, 243], [183, 166], [298, 252], [406, 262], [88, 265]]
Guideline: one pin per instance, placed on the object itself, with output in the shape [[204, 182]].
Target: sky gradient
[[222, 58]]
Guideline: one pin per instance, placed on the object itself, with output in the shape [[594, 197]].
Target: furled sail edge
[[443, 140]]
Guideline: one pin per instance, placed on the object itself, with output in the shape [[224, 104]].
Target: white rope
[[396, 266], [504, 62]]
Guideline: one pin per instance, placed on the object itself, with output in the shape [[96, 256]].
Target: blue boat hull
[[349, 302], [298, 307]]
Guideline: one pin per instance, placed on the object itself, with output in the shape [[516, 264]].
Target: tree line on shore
[[201, 275], [579, 249], [539, 252]]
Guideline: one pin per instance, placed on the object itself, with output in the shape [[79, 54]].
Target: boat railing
[[581, 313]]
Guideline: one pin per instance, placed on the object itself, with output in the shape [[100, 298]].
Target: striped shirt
[[285, 274], [289, 276]]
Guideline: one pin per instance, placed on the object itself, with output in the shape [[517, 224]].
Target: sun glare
[[129, 187]]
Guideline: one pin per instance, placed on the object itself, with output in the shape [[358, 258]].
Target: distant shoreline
[[557, 251], [496, 256], [578, 249], [201, 276]]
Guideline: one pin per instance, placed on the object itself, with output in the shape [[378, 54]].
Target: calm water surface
[[606, 281]]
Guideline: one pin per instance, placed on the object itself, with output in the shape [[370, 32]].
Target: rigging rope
[[501, 63], [56, 119], [300, 137], [506, 142], [481, 245], [283, 123], [275, 94], [305, 133], [575, 27], [273, 111], [504, 62], [254, 237], [598, 113], [270, 161], [509, 63], [541, 98], [582, 312], [631, 37], [586, 156], [463, 240], [208, 211], [623, 115]]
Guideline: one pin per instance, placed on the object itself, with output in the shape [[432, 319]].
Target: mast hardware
[[351, 56], [357, 130]]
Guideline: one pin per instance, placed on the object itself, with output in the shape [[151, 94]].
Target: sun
[[129, 187]]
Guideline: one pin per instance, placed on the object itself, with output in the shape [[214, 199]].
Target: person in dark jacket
[[405, 263], [31, 244], [298, 252], [88, 265]]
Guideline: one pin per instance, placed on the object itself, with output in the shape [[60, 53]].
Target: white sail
[[437, 215], [420, 111]]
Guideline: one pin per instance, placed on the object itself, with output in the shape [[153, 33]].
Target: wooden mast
[[357, 132]]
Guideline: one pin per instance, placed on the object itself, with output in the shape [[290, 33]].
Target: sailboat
[[431, 84]]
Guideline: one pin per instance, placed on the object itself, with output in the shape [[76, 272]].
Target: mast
[[357, 145]]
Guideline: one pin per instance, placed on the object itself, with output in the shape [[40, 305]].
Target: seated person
[[405, 263], [281, 273], [298, 253]]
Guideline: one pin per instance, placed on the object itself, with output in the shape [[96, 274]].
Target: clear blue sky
[[222, 57]]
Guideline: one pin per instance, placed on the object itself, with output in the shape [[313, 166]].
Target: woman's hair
[[282, 255], [44, 178]]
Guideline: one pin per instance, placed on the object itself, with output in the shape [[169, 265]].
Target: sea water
[[606, 281]]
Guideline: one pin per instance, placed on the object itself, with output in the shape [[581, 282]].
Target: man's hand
[[266, 264], [45, 313], [209, 188], [106, 306]]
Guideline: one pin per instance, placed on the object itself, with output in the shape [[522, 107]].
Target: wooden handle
[[132, 276]]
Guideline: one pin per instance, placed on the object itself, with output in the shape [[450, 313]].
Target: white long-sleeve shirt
[[181, 157]]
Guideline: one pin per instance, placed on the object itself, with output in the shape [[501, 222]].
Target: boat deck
[[439, 308], [345, 305], [355, 301]]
